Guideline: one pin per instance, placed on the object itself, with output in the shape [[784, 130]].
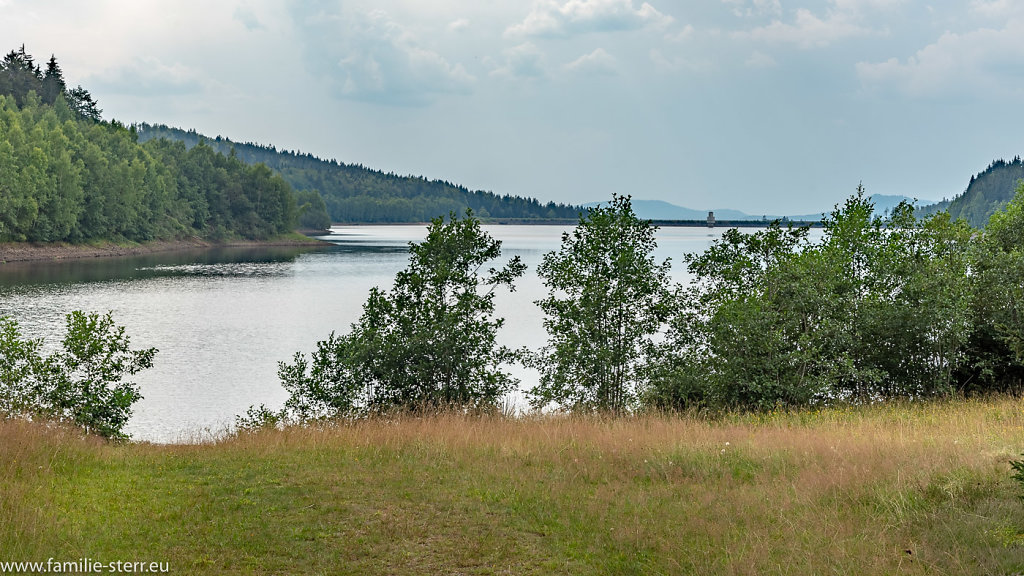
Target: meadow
[[886, 489]]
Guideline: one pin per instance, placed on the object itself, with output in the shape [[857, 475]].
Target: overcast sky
[[777, 106]]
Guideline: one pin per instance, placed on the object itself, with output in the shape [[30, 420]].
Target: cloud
[[980, 62], [761, 60], [810, 31], [685, 33], [842, 20], [755, 8], [371, 58], [866, 5], [597, 63], [997, 9], [458, 25], [148, 77], [550, 18], [248, 18], [675, 63], [524, 61]]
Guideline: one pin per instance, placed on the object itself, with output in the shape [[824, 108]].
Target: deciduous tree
[[82, 383], [607, 299], [428, 342]]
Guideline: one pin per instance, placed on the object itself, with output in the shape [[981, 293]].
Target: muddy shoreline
[[30, 252]]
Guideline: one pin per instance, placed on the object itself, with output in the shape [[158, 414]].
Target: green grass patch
[[876, 490]]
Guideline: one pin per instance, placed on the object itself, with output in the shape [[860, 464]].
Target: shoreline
[[60, 251]]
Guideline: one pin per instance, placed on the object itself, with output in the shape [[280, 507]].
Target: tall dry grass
[[31, 455], [916, 489]]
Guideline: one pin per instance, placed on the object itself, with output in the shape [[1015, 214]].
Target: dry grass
[[897, 489]]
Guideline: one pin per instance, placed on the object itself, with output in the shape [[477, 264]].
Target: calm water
[[223, 318]]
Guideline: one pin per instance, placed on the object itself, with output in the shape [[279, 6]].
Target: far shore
[[48, 252]]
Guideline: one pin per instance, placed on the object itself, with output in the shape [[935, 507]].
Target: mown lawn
[[898, 489]]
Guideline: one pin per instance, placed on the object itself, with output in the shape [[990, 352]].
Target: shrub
[[80, 383], [1018, 472], [428, 343]]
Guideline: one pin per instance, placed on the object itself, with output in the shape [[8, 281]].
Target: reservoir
[[223, 318]]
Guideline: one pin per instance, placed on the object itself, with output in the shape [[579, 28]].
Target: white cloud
[[761, 60], [981, 62], [458, 25], [674, 62], [998, 9], [597, 63], [810, 31], [550, 18], [148, 76], [248, 18], [524, 61], [685, 33], [864, 5], [843, 19], [370, 57], [755, 8]]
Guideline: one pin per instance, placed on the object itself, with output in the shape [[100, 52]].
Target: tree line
[[354, 193], [20, 76], [986, 193], [67, 175], [880, 308]]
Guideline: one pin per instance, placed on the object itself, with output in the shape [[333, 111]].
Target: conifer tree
[[53, 81]]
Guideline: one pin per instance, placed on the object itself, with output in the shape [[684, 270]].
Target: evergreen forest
[[354, 193], [987, 193], [66, 175]]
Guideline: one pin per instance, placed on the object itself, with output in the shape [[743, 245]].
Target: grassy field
[[919, 489]]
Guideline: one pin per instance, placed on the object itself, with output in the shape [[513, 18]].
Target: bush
[[1018, 472], [428, 343], [81, 383], [879, 309]]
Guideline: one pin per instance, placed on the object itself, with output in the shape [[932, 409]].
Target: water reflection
[[189, 261]]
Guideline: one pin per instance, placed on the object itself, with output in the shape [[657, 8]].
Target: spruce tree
[[53, 81]]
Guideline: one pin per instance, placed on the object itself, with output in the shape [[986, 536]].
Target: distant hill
[[354, 193], [986, 193], [661, 210], [885, 202]]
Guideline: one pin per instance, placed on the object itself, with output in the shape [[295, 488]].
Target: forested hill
[[68, 175], [354, 193], [986, 193]]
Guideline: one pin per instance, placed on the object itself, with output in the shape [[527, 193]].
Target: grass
[[895, 489]]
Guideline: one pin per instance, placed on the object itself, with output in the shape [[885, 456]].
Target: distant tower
[[711, 219]]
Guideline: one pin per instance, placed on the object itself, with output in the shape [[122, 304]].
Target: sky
[[766, 106]]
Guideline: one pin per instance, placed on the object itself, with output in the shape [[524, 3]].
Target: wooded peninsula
[[68, 175]]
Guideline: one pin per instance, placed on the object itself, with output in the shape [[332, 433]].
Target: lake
[[223, 318]]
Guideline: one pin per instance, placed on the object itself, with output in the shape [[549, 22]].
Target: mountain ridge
[[662, 210]]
